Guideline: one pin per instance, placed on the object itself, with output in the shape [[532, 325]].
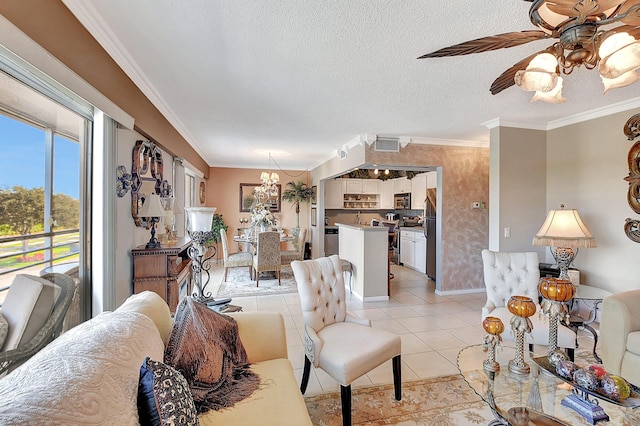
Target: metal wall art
[[632, 131]]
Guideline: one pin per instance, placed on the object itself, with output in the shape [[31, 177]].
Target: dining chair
[[342, 345], [267, 257], [509, 274], [234, 260], [288, 256]]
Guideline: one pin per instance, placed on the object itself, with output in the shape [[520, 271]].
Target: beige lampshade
[[564, 228], [152, 207]]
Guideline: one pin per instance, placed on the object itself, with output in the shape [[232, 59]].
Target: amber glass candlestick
[[522, 308], [494, 327], [556, 292]]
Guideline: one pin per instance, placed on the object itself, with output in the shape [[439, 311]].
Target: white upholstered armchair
[[344, 346], [620, 335], [509, 274]]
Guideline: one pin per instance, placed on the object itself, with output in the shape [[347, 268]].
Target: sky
[[22, 159]]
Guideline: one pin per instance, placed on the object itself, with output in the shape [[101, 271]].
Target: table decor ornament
[[556, 292], [522, 308], [494, 328]]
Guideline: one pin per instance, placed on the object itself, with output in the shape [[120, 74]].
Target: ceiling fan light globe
[[620, 54], [553, 96], [536, 80], [625, 79]]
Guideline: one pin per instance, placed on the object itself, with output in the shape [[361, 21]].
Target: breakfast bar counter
[[367, 248]]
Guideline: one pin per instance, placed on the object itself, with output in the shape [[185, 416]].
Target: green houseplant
[[296, 193]]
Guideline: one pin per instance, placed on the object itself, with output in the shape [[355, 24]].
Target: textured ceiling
[[240, 79]]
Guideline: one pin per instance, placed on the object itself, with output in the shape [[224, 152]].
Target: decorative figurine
[[556, 293]]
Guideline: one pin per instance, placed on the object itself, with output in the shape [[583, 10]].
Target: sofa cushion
[[89, 375], [153, 306], [633, 342], [205, 347], [164, 397], [278, 401], [27, 307]]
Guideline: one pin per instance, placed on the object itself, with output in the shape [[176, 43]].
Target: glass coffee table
[[531, 399]]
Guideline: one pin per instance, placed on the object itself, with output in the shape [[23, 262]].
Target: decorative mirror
[[146, 177]]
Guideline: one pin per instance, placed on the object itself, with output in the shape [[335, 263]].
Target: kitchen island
[[367, 248]]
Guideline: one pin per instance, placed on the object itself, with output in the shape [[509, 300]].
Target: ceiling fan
[[578, 26]]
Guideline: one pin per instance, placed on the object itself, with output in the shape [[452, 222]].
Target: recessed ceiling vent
[[387, 145]]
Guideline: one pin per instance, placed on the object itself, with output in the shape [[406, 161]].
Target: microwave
[[402, 201]]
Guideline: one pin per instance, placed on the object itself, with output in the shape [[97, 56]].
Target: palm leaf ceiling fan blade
[[506, 78], [486, 44], [634, 16]]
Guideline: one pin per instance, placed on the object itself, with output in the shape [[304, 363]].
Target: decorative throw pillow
[[164, 397], [4, 329], [206, 348]]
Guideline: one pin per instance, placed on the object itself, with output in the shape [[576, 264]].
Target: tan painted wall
[[586, 165], [465, 231], [223, 192]]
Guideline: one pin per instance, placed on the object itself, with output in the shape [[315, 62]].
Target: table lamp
[[152, 209], [564, 230], [199, 220]]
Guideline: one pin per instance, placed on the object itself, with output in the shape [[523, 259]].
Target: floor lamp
[[564, 230]]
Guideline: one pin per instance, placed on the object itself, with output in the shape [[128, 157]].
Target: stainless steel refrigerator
[[429, 224]]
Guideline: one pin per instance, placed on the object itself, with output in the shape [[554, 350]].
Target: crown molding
[[90, 19], [448, 142], [499, 122]]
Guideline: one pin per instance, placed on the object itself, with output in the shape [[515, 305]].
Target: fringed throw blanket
[[206, 348]]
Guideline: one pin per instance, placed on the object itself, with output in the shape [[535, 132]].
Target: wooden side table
[[165, 271]]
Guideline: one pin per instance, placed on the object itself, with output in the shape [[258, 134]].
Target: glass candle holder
[[494, 328], [522, 308], [556, 292]]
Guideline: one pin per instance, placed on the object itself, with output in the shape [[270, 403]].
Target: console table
[[165, 270], [537, 395]]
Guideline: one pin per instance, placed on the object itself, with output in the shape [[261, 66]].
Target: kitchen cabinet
[[432, 180], [413, 249], [360, 201], [333, 193], [361, 186], [401, 185], [386, 194], [418, 191]]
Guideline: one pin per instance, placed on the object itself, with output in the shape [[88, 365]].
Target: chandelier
[[269, 187], [582, 41]]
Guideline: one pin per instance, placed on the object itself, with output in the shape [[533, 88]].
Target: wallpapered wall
[[464, 231]]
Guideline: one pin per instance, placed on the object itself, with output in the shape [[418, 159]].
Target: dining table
[[251, 239]]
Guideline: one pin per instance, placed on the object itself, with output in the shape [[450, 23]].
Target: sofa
[[90, 374], [620, 335]]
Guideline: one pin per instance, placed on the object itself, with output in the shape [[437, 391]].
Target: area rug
[[441, 401], [238, 283]]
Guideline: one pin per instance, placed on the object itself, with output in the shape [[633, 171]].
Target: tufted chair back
[[321, 290], [267, 256], [509, 274]]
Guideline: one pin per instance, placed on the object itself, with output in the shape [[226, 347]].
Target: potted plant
[[217, 223], [296, 193]]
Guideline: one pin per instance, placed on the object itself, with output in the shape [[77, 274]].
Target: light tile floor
[[433, 328]]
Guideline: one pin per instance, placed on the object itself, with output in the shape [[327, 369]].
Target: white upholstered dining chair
[[511, 274], [234, 260], [267, 257], [344, 346]]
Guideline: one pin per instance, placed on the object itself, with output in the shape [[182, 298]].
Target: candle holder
[[494, 327], [522, 308], [556, 292]]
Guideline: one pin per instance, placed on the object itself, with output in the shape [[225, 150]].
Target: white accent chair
[[510, 274], [344, 346], [289, 256], [620, 335], [234, 260]]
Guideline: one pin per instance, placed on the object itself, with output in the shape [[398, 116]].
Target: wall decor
[[202, 192], [632, 131], [314, 213], [123, 181], [146, 177], [248, 198]]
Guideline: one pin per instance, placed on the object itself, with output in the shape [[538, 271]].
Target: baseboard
[[465, 291]]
